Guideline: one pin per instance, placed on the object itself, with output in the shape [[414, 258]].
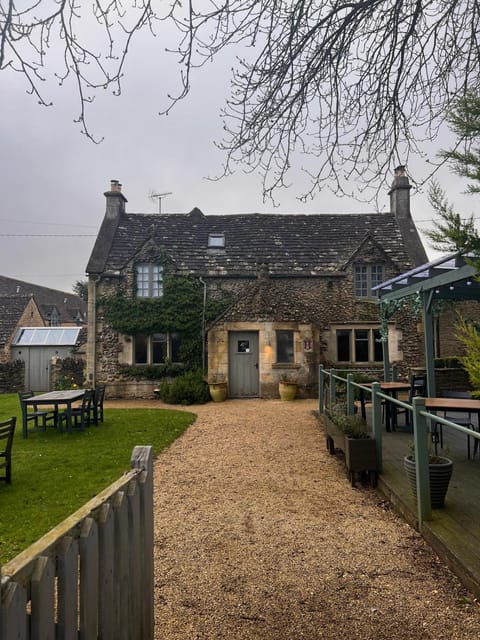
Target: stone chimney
[[400, 194], [400, 207], [115, 201]]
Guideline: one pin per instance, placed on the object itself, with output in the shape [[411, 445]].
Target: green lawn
[[53, 474]]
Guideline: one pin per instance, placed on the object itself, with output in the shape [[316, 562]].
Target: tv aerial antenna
[[159, 197]]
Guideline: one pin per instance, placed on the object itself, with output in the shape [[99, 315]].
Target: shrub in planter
[[350, 434]]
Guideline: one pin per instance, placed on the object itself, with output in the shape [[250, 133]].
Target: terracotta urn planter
[[287, 390], [218, 391], [440, 472]]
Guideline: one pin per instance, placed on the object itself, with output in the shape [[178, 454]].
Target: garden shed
[[37, 347], [428, 287]]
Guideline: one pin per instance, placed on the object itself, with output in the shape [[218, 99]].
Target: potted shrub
[[287, 387], [217, 385], [360, 450], [333, 431], [439, 472], [349, 433]]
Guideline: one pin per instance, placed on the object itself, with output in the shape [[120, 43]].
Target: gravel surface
[[259, 535]]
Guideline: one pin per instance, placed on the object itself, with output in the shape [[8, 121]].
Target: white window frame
[[149, 280], [216, 241], [365, 276]]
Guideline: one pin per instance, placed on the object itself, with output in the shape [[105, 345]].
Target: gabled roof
[[291, 244], [15, 295]]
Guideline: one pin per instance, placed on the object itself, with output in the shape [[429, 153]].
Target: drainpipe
[[92, 332], [203, 323]]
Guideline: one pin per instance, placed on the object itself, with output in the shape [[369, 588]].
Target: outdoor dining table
[[56, 398], [460, 405], [390, 388]]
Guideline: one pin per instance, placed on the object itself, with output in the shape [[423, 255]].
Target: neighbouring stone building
[[31, 322], [300, 289]]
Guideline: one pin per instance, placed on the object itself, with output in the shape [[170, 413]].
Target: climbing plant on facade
[[180, 310]]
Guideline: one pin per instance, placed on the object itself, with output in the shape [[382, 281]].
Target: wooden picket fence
[[91, 577]]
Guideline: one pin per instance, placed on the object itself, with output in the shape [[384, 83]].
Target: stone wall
[[309, 306], [12, 377], [67, 372]]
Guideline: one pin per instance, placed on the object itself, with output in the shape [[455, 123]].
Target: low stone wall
[[12, 376], [131, 389], [66, 372], [451, 380]]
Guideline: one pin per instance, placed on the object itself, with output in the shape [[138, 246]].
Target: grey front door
[[243, 378]]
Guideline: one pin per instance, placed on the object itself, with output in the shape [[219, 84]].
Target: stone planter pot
[[361, 457], [287, 390], [439, 474], [218, 391]]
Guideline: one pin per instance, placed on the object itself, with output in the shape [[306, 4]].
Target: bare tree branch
[[345, 89]]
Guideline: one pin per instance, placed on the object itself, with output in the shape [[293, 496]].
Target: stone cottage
[[299, 287]]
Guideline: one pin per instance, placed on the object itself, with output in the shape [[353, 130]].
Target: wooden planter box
[[360, 453], [361, 457]]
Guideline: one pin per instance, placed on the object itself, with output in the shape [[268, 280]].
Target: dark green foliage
[[180, 310], [464, 121], [190, 388], [454, 232], [80, 288], [153, 372]]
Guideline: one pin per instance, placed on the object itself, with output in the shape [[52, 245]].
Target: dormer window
[[367, 276], [216, 241], [149, 280]]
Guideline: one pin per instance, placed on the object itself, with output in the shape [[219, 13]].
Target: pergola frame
[[450, 277]]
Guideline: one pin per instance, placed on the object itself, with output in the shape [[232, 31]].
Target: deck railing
[[421, 421], [92, 576]]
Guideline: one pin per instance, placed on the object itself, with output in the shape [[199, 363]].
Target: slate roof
[[15, 294], [291, 244]]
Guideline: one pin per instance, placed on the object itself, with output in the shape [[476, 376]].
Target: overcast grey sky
[[52, 178]]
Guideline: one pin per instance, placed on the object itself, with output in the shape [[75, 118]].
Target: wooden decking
[[454, 531]]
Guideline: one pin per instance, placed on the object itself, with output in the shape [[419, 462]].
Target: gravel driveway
[[259, 535]]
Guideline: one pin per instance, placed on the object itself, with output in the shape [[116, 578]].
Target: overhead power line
[[47, 235], [50, 224]]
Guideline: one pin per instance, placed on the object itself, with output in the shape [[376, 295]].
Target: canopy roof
[[446, 278]]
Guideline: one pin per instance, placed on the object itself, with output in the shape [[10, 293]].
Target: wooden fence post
[[142, 458], [377, 424], [350, 395], [321, 389], [420, 438]]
